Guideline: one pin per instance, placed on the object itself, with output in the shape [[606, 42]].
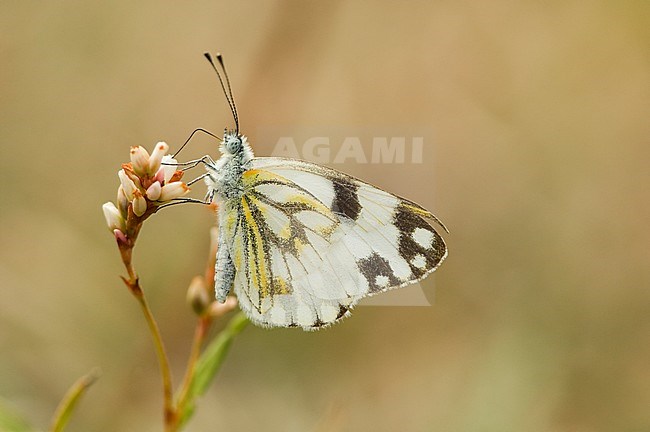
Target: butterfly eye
[[234, 145]]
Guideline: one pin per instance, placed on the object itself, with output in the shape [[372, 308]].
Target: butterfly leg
[[176, 201], [207, 200], [202, 176], [224, 270], [205, 160]]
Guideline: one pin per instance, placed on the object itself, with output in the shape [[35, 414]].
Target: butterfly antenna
[[228, 95], [232, 99], [190, 137]]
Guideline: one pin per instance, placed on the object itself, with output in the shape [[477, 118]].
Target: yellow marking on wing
[[229, 226], [324, 229], [417, 210], [285, 231], [230, 222], [285, 234], [423, 213], [280, 286], [313, 204], [252, 177], [237, 255], [298, 245], [257, 269]]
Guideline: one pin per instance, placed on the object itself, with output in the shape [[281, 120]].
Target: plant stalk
[[133, 283]]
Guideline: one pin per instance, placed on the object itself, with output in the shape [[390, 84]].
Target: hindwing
[[309, 242]]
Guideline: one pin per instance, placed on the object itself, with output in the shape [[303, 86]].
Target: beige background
[[538, 162]]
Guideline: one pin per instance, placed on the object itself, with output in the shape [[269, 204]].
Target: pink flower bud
[[139, 204], [153, 192], [157, 157], [160, 175], [120, 237], [127, 184], [114, 219], [173, 190], [139, 160]]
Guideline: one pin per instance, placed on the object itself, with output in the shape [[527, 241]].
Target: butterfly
[[300, 244]]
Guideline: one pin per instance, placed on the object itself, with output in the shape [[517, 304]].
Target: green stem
[[169, 412], [165, 372], [202, 326]]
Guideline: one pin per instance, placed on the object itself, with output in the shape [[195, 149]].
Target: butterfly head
[[235, 145]]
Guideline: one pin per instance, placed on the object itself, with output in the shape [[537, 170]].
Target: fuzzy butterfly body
[[301, 244]]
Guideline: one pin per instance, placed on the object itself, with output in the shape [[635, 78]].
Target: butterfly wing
[[309, 242]]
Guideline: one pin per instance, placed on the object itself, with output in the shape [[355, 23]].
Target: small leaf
[[12, 422], [70, 400], [210, 361]]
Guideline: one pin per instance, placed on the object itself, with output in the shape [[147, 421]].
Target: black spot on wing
[[343, 310], [318, 323], [346, 200], [407, 222], [376, 265]]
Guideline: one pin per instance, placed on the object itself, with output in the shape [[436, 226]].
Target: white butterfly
[[301, 244]]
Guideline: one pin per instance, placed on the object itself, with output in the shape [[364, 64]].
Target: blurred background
[[536, 159]]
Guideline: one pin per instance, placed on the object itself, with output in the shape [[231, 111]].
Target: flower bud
[[153, 192], [197, 296], [114, 219], [139, 204], [219, 309], [128, 170], [177, 176], [157, 156], [173, 190], [160, 175], [139, 160], [127, 184], [169, 168], [120, 237], [122, 202]]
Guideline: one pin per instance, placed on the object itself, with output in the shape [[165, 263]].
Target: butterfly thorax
[[225, 176]]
